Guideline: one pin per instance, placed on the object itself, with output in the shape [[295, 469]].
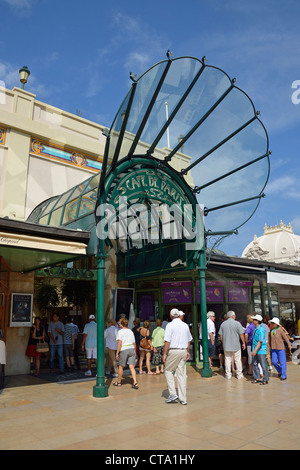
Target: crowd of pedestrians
[[260, 344], [265, 341]]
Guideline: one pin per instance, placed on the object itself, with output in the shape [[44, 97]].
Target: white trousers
[[176, 362], [237, 356]]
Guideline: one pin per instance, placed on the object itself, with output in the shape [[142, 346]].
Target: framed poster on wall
[[21, 309]]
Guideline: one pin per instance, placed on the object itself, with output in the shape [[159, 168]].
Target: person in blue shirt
[[259, 351]]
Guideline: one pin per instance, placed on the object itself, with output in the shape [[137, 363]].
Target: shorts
[[127, 357], [91, 353], [68, 350]]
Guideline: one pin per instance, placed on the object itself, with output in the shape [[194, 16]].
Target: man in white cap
[[231, 332], [89, 342], [211, 333], [176, 353], [259, 351], [277, 337]]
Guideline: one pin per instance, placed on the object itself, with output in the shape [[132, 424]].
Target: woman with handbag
[[37, 334], [145, 347]]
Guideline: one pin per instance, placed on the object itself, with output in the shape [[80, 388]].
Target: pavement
[[221, 414]]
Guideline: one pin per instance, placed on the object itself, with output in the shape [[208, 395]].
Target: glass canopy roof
[[68, 207], [186, 109]]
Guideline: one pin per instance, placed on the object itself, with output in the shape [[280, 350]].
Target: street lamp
[[24, 74]]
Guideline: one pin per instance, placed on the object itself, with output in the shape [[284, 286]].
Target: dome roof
[[278, 244]]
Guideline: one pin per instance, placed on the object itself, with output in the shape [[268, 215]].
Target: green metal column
[[100, 390], [195, 325], [206, 371]]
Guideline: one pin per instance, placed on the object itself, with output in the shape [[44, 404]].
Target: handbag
[[42, 347], [144, 343]]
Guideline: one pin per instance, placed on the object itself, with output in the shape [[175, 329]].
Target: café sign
[[69, 273]]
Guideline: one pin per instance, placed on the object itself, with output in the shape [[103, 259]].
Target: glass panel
[[87, 203], [116, 128], [70, 211], [241, 185], [145, 89], [208, 89], [93, 183], [65, 197], [44, 220], [55, 217], [231, 217], [178, 79], [50, 205]]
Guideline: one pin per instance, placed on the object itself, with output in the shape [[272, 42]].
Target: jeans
[[279, 361], [260, 359], [59, 349]]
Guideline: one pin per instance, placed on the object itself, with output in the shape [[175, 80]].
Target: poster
[[21, 310]]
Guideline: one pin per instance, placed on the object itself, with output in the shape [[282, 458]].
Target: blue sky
[[80, 55]]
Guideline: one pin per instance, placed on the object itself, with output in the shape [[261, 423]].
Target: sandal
[[117, 384], [256, 381], [264, 382], [136, 386], [142, 372]]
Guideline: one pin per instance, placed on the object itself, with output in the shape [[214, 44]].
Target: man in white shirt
[[211, 333], [176, 353]]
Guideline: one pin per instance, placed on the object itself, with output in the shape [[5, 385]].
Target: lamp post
[[24, 74]]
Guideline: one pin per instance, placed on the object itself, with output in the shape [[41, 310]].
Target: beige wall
[[25, 179], [17, 337]]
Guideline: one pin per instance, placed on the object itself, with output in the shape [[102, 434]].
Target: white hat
[[257, 317], [181, 313], [175, 313], [274, 320], [210, 314], [92, 317]]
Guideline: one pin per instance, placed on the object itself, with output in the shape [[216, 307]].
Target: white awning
[[38, 243], [283, 278]]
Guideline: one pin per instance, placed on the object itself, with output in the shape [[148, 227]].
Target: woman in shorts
[[126, 354]]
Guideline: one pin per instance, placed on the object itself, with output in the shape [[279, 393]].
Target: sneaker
[[172, 399], [183, 402], [88, 372]]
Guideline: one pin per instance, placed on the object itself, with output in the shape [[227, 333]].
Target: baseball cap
[[257, 317], [175, 313], [92, 317], [181, 313], [274, 320]]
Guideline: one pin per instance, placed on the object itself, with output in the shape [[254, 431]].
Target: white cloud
[[9, 74], [295, 223], [20, 5], [287, 185]]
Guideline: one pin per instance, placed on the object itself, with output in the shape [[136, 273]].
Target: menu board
[[177, 292]]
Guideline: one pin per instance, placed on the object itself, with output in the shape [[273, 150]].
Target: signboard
[[21, 310], [238, 294], [158, 185], [177, 292]]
